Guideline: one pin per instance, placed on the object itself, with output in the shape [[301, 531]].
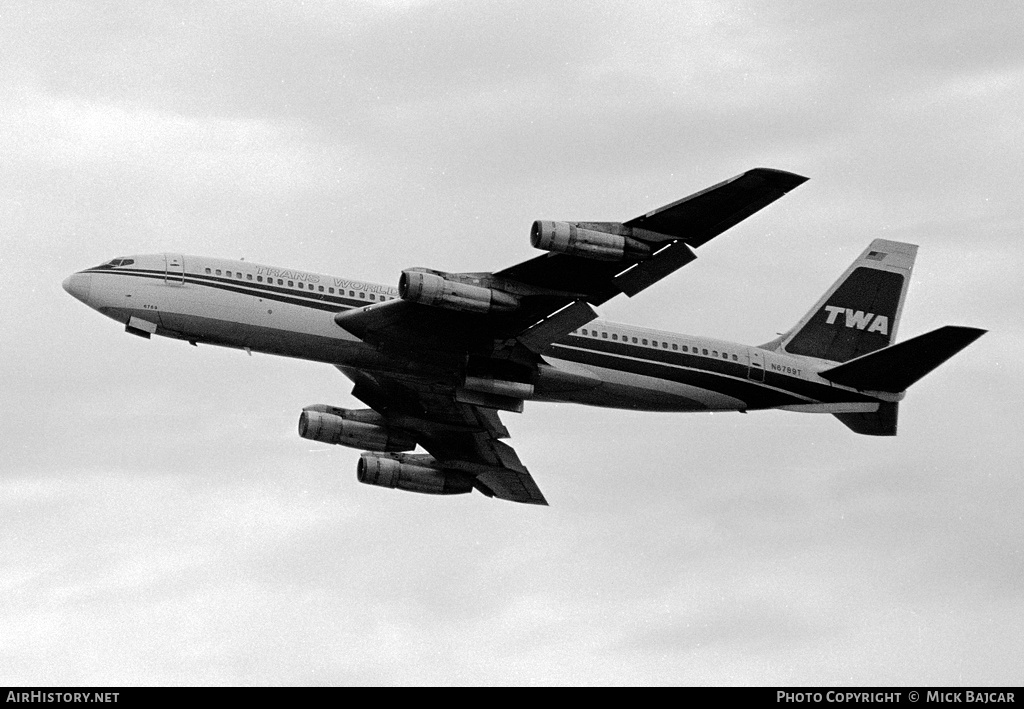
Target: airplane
[[438, 357]]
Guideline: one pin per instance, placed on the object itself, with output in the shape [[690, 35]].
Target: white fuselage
[[291, 313]]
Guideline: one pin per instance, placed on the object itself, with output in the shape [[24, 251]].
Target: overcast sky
[[161, 522]]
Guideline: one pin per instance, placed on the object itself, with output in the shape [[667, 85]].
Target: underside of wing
[[463, 440], [670, 233], [702, 216], [458, 347], [522, 309]]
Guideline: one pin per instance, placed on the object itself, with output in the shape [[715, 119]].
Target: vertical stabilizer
[[860, 312]]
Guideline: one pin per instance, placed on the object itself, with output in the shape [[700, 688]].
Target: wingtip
[[970, 334], [782, 179]]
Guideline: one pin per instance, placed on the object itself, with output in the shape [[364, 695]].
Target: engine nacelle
[[432, 289], [338, 429], [566, 238], [412, 473]]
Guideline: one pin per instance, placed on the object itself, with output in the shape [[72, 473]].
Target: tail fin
[[895, 368], [860, 312]]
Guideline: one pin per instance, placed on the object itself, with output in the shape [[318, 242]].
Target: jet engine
[[432, 289], [566, 238], [415, 473], [340, 427]]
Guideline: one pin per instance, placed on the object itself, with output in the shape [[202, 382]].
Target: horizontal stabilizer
[[895, 368]]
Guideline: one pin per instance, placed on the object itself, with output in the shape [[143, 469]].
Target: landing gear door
[[174, 269], [756, 370]]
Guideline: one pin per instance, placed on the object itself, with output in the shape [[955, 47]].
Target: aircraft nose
[[78, 285]]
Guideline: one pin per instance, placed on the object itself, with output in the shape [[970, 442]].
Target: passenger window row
[[604, 335], [301, 286]]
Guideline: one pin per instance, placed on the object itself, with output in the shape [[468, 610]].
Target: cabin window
[[685, 348], [705, 351], [228, 274], [248, 276], [208, 271], [675, 346], [362, 295], [584, 332], [259, 278], [725, 355], [351, 294], [320, 288], [604, 335], [291, 284], [735, 358], [218, 271], [280, 281], [330, 290], [664, 345]]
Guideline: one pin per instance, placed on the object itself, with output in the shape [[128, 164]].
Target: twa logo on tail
[[858, 319]]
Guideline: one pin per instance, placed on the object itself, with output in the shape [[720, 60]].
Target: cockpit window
[[118, 262]]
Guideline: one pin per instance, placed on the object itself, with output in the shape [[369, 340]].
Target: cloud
[[68, 133], [169, 527]]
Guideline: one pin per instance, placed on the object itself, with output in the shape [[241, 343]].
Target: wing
[[470, 344], [555, 288], [673, 230], [460, 436]]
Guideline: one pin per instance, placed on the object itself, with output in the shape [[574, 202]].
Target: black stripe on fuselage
[[723, 376], [719, 375], [320, 301], [754, 395]]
